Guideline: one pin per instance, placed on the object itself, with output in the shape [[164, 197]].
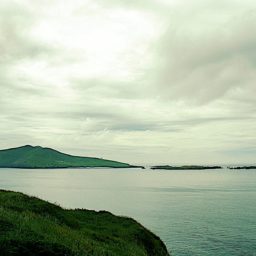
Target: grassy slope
[[38, 157], [33, 227]]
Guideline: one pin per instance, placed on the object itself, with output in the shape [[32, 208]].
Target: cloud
[[207, 53], [169, 81]]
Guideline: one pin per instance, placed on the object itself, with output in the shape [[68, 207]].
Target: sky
[[144, 82]]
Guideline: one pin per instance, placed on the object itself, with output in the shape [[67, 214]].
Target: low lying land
[[47, 158], [184, 167], [242, 167], [30, 226]]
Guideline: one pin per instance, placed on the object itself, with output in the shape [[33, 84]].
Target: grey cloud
[[203, 63], [16, 21], [148, 5], [16, 43], [108, 89], [195, 96]]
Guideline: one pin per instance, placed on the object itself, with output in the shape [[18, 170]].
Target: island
[[184, 167], [30, 226], [40, 157], [242, 167]]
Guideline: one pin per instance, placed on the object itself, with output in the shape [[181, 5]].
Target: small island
[[35, 157], [184, 167], [30, 226], [242, 167]]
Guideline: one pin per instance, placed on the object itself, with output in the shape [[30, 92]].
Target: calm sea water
[[209, 213]]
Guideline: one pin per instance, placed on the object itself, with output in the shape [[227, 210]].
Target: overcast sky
[[139, 81]]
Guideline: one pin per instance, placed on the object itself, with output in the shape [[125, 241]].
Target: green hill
[[33, 227], [39, 157]]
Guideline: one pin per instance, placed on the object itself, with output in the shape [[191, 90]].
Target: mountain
[[33, 227], [39, 157]]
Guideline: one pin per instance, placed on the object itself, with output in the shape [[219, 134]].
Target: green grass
[[38, 157], [33, 227]]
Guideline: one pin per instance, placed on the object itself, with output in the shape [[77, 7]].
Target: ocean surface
[[209, 213]]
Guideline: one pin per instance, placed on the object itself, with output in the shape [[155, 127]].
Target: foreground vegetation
[[39, 157], [33, 227], [184, 167]]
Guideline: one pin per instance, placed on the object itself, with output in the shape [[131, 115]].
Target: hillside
[[39, 157], [30, 226]]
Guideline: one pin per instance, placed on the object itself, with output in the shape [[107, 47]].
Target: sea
[[195, 212]]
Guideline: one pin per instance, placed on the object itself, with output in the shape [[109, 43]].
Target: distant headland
[[247, 167], [184, 167], [35, 157]]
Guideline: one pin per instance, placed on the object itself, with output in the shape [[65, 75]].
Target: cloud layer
[[140, 81]]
